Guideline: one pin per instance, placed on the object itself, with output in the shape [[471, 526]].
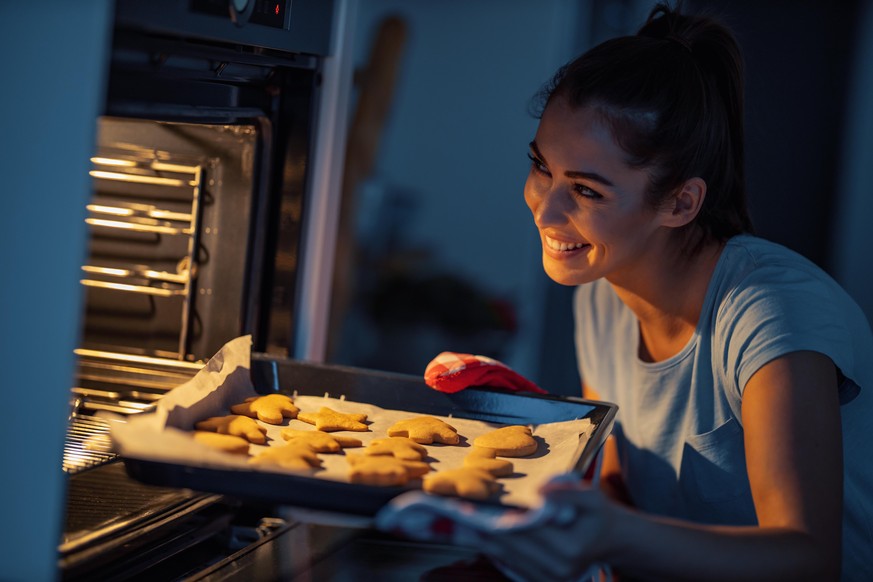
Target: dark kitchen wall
[[799, 58], [457, 260]]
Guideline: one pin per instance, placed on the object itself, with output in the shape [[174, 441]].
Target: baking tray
[[384, 389]]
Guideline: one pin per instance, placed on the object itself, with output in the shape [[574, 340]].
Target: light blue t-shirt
[[679, 424]]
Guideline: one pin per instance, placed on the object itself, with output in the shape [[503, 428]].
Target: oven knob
[[241, 10]]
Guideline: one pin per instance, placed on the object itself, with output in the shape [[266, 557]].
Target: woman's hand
[[566, 545]]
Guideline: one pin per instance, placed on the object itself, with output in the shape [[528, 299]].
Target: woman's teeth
[[562, 246]]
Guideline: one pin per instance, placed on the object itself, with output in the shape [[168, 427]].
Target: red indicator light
[[277, 10]]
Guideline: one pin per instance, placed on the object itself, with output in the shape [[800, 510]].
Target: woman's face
[[587, 203]]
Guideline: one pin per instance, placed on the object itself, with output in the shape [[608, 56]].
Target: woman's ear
[[682, 208]]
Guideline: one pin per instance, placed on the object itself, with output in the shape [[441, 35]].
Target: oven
[[207, 217]]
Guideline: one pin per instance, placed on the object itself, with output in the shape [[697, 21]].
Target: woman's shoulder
[[771, 300], [762, 268], [758, 253]]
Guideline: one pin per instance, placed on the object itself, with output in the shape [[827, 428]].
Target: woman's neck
[[667, 297]]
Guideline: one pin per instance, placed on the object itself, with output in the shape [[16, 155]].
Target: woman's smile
[[562, 249]]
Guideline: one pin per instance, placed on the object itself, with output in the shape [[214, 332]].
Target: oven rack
[[149, 203]]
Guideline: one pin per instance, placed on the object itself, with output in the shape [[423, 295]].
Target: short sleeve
[[774, 311]]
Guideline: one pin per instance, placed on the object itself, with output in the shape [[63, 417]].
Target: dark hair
[[672, 96]]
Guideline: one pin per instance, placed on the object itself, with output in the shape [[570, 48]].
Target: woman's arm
[[794, 460]]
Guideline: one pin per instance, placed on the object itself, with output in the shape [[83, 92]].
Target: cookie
[[223, 442], [270, 408], [295, 456], [401, 447], [321, 441], [486, 459], [425, 430], [236, 425], [468, 482], [509, 441], [330, 420], [383, 470]]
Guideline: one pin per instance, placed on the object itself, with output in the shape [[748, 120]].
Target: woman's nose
[[548, 207]]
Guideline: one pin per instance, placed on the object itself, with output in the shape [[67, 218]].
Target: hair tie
[[680, 41]]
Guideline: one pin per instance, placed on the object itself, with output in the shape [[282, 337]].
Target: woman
[[742, 372]]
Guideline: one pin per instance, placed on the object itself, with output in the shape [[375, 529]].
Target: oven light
[[114, 210], [113, 162]]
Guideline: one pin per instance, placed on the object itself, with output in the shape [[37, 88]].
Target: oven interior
[[199, 178]]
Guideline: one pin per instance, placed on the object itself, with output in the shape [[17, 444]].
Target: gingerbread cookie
[[468, 482], [321, 441], [270, 408], [223, 442], [426, 430], [236, 425], [509, 441], [295, 456], [383, 470], [486, 459], [330, 420], [401, 447]]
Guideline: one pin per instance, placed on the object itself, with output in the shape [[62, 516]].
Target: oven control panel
[[265, 12], [290, 26]]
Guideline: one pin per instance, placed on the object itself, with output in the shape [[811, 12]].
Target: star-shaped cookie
[[383, 470], [223, 442], [426, 430], [466, 482], [330, 420], [270, 408], [236, 425], [486, 459], [401, 447], [321, 441], [294, 456]]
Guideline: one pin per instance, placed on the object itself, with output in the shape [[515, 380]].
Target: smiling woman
[[718, 347]]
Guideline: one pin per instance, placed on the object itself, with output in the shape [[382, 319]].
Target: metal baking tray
[[384, 389]]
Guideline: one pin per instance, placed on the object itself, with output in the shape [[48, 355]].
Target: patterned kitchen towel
[[452, 372], [449, 520]]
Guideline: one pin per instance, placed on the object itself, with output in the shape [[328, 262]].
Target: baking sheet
[[158, 448]]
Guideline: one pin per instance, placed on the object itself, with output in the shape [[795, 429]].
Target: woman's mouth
[[562, 247]]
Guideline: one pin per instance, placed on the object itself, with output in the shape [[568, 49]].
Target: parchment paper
[[163, 435]]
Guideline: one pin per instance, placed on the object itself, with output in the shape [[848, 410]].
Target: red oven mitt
[[452, 372]]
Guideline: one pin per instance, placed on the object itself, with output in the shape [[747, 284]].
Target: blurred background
[[437, 249]]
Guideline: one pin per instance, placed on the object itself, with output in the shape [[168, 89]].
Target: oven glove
[[452, 372], [450, 520]]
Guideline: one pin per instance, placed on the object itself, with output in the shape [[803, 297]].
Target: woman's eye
[[585, 191], [537, 165]]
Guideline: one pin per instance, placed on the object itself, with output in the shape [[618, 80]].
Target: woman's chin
[[570, 278]]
